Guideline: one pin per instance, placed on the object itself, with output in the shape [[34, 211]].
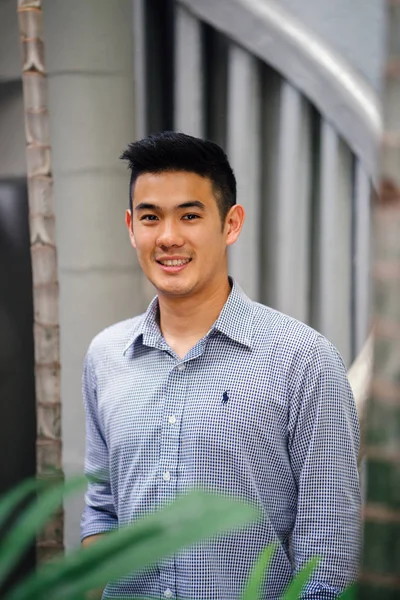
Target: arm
[[86, 542], [323, 446], [99, 515], [90, 539]]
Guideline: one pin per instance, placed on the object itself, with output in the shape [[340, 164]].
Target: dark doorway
[[17, 386]]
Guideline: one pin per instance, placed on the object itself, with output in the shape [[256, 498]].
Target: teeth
[[175, 263]]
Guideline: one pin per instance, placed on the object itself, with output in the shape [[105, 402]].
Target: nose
[[169, 236]]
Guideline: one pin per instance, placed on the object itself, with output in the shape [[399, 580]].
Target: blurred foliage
[[190, 519]]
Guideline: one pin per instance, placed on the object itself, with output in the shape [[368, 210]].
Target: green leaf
[[192, 517], [253, 587], [17, 540], [349, 593], [10, 500], [295, 588]]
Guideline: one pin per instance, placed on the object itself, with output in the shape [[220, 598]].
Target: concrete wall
[[89, 59]]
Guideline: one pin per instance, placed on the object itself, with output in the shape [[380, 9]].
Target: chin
[[177, 291], [173, 288]]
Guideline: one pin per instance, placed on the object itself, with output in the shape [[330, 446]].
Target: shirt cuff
[[95, 521]]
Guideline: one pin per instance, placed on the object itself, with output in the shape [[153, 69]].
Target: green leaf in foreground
[[258, 573], [349, 593], [191, 518], [18, 539], [12, 499], [299, 582]]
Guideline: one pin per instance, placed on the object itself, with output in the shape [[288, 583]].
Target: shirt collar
[[236, 317], [148, 327], [235, 321]]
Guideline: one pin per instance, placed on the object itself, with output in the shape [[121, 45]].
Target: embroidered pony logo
[[225, 397]]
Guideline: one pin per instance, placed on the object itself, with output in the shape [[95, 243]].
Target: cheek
[[144, 241], [212, 241], [212, 253]]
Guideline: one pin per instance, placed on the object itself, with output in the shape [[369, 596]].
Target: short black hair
[[174, 151]]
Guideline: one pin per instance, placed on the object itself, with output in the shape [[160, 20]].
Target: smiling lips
[[174, 262], [173, 265]]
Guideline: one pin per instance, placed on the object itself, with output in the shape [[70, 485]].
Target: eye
[[148, 218], [190, 217]]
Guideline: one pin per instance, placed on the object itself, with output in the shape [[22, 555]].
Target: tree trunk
[[380, 572], [44, 262]]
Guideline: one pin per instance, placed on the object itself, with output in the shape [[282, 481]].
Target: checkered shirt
[[259, 408]]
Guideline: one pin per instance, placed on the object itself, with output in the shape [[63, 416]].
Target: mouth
[[173, 265]]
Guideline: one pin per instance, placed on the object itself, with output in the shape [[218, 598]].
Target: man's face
[[177, 231]]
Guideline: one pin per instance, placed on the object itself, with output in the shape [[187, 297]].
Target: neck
[[191, 318]]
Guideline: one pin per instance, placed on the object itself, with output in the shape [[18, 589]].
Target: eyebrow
[[155, 207]]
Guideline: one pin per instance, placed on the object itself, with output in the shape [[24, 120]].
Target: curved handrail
[[272, 34]]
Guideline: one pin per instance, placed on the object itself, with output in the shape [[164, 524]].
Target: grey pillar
[[243, 143], [287, 212], [139, 66], [362, 257], [188, 105], [89, 54], [332, 256]]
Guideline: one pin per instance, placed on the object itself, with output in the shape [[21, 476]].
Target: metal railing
[[300, 129]]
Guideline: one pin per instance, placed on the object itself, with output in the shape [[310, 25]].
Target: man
[[210, 389]]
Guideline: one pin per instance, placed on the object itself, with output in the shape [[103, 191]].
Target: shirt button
[[166, 476], [181, 367], [172, 419], [168, 593]]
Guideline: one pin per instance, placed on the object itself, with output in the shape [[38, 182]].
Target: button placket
[[175, 392]]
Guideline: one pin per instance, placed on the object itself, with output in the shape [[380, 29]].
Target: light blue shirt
[[259, 408]]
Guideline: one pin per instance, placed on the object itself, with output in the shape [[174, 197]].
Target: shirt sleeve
[[323, 446], [99, 515]]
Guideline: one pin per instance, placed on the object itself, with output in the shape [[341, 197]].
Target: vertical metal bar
[[215, 85], [244, 145], [188, 105], [293, 205], [362, 250], [344, 232], [325, 263], [270, 129], [286, 209], [139, 64], [333, 247], [159, 67]]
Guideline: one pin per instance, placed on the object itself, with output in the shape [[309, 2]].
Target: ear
[[234, 223], [129, 224]]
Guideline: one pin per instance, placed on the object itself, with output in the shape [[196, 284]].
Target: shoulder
[[292, 340], [274, 327], [113, 339]]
